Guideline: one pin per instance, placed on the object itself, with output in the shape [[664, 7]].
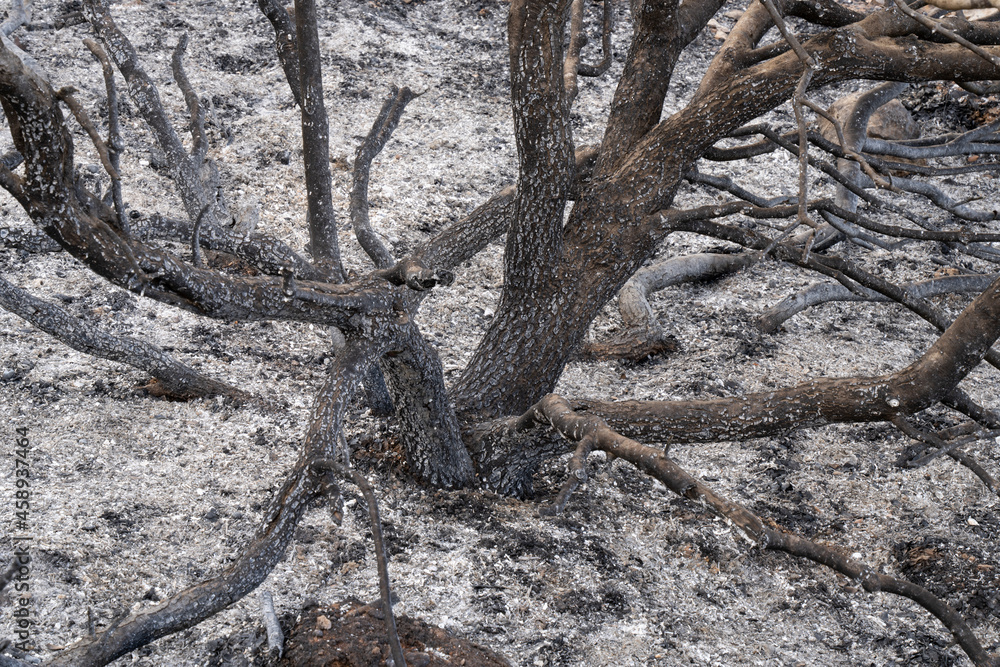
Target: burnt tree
[[581, 224]]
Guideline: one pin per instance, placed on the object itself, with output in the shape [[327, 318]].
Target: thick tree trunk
[[429, 429], [611, 231]]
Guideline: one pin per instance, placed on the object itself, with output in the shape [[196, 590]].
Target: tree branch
[[821, 293], [316, 143], [285, 44], [387, 120], [555, 411], [176, 379]]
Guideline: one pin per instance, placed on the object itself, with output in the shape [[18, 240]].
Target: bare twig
[[147, 100], [980, 140], [275, 638], [929, 439], [788, 36], [66, 95], [797, 102], [577, 476], [727, 184], [195, 111], [115, 144], [380, 557]]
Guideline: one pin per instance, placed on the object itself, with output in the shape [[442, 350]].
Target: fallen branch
[[175, 379], [822, 293], [554, 411]]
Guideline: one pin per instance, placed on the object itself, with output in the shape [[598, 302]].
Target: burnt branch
[[970, 143], [196, 237], [555, 411], [195, 604], [386, 121], [849, 117], [607, 27], [726, 184], [273, 257], [19, 15], [67, 96], [960, 401], [432, 436], [267, 547], [850, 276], [633, 300], [285, 42], [275, 638], [466, 238], [173, 378], [375, 522], [638, 102], [826, 292], [146, 97], [643, 336], [541, 106], [196, 113], [582, 226], [316, 143], [577, 476], [40, 133], [577, 39], [988, 480], [114, 142], [939, 28], [938, 446], [823, 401]]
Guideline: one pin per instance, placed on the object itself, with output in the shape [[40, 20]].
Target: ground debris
[[352, 634]]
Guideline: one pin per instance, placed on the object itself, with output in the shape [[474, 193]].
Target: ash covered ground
[[137, 497]]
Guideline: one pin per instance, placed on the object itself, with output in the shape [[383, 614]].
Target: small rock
[[415, 659]]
